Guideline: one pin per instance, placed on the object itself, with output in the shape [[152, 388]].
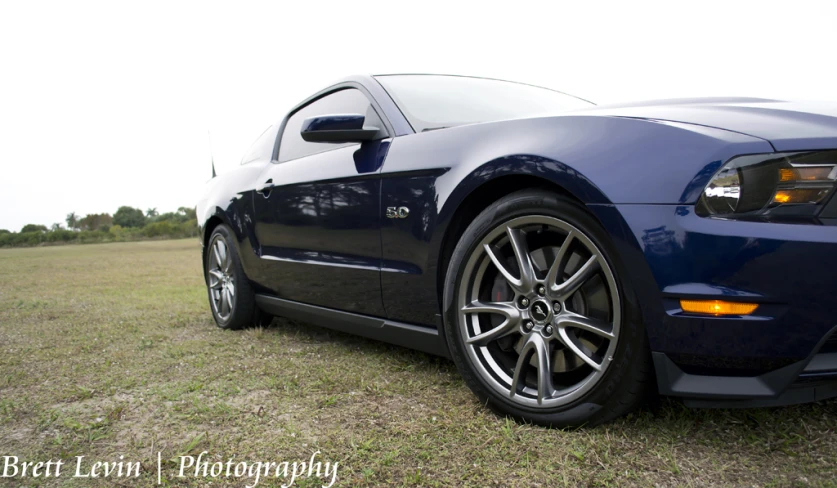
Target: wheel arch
[[231, 219], [208, 227], [477, 200], [634, 270], [490, 181]]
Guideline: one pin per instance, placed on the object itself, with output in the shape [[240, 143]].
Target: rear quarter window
[[262, 149]]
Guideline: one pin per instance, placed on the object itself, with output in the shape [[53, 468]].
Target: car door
[[317, 216]]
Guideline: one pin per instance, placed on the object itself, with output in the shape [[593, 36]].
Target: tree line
[[127, 224]]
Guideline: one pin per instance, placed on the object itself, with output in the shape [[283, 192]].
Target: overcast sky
[[105, 104]]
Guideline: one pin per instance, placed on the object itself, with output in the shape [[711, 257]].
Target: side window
[[347, 101], [262, 149]]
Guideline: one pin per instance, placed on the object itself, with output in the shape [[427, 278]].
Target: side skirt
[[398, 333]]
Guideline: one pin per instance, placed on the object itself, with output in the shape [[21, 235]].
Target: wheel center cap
[[539, 311]]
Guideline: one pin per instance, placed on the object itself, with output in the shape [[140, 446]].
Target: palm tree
[[72, 220], [151, 213]]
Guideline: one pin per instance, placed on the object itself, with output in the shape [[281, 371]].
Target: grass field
[[109, 350]]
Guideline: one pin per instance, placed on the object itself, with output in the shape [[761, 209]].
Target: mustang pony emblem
[[539, 312]]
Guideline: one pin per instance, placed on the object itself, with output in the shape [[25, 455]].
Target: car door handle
[[265, 189]]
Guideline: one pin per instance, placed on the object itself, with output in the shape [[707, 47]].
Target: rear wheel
[[537, 320], [231, 297]]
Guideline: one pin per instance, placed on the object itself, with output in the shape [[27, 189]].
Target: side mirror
[[338, 128]]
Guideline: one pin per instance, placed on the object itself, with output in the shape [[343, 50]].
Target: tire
[[231, 297], [504, 326]]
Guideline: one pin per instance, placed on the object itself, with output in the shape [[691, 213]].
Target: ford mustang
[[571, 259]]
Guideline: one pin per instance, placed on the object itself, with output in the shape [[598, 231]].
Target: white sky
[[105, 104]]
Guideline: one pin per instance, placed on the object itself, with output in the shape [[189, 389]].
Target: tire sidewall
[[593, 404]]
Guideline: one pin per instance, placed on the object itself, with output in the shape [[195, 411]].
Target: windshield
[[434, 101]]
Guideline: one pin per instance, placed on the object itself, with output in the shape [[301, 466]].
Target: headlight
[[782, 183]]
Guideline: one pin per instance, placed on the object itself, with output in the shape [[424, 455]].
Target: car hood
[[788, 126]]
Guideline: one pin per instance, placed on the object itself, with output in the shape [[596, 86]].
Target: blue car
[[570, 259]]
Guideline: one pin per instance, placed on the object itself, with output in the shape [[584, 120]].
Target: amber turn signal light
[[718, 307]]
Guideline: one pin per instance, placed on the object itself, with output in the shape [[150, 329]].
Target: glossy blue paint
[[333, 122], [318, 229], [789, 126], [788, 268], [320, 236], [598, 160], [228, 200]]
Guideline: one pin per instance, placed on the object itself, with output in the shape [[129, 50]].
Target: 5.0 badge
[[397, 212]]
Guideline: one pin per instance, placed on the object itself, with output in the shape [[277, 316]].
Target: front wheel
[[537, 319], [231, 297]]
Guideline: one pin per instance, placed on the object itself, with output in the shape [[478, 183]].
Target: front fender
[[598, 160]]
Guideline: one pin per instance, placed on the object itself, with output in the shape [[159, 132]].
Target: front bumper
[[786, 352], [812, 379]]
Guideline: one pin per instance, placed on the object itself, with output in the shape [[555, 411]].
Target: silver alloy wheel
[[221, 279], [539, 311]]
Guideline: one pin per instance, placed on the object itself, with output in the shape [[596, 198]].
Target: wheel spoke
[[227, 260], [508, 326], [572, 346], [557, 268], [522, 364], [231, 288], [216, 251], [574, 282], [225, 304], [215, 277], [598, 327], [505, 309], [536, 345], [492, 254], [545, 388], [222, 255], [521, 254], [517, 240]]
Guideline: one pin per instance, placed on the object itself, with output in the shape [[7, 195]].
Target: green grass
[[109, 350]]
